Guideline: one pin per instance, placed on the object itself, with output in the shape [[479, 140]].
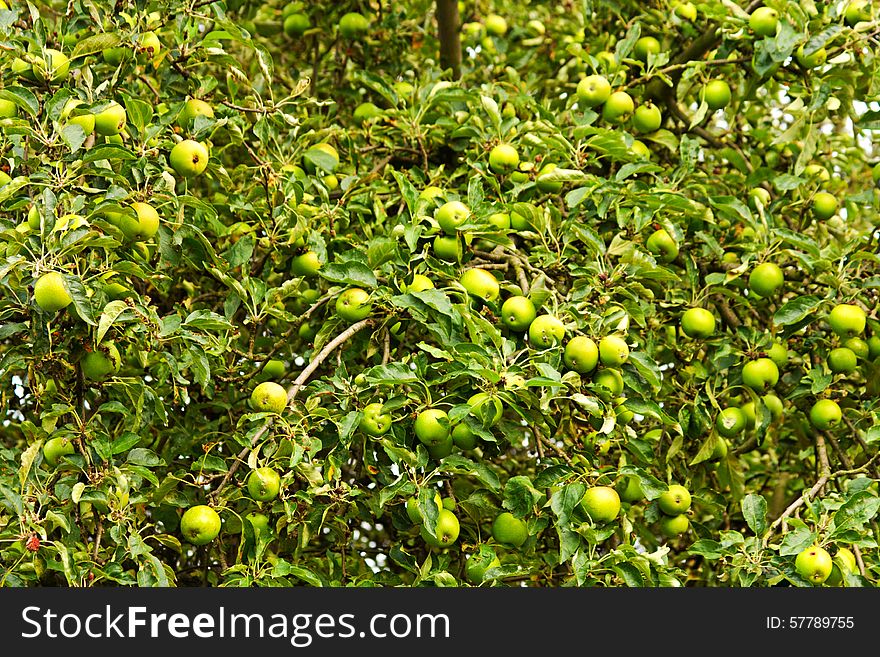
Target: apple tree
[[486, 293]]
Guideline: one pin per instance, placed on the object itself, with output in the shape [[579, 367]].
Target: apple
[[480, 562], [675, 500], [353, 25], [842, 360], [200, 525], [446, 530], [593, 90], [419, 283], [646, 46], [432, 427], [517, 313], [451, 215], [640, 150], [630, 489], [760, 374], [717, 94], [607, 59], [148, 48], [508, 530], [104, 360], [264, 484], [499, 220], [354, 304], [601, 504], [764, 21], [844, 560], [296, 24], [859, 347], [140, 227], [111, 120], [857, 12], [647, 118], [766, 279], [698, 323], [825, 414], [8, 109], [847, 320], [480, 283], [672, 526], [412, 508], [812, 60], [50, 292], [613, 351], [824, 206], [611, 380], [54, 66], [730, 421], [546, 331], [874, 347], [85, 121], [56, 448], [269, 397], [305, 264], [759, 196], [496, 25], [326, 156], [618, 108], [191, 109], [778, 353], [814, 564], [374, 422], [817, 171], [581, 354], [544, 181], [662, 245], [686, 11], [188, 158], [447, 248], [503, 158]]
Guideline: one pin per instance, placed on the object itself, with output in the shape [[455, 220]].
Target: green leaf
[[520, 495], [350, 273], [795, 310], [145, 457], [95, 43], [754, 510], [108, 152], [796, 540], [23, 98], [110, 314], [856, 511], [707, 548]]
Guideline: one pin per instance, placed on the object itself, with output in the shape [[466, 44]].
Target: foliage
[[201, 312]]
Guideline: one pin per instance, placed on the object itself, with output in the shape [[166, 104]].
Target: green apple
[[764, 21], [662, 245], [698, 323], [148, 48], [842, 360], [419, 283], [825, 414], [374, 422], [645, 46], [8, 109], [517, 313], [264, 484], [447, 248], [480, 283], [856, 12], [647, 118], [480, 562], [305, 264], [609, 379], [824, 206], [717, 94], [760, 374], [618, 108], [730, 421], [188, 158], [353, 25], [811, 60], [766, 279], [296, 24], [686, 11], [675, 500], [366, 111], [269, 397], [50, 292], [200, 525], [412, 508], [140, 227], [601, 503], [354, 304], [324, 154], [503, 158], [613, 351], [672, 526], [451, 215], [111, 120], [191, 109], [544, 181], [54, 66], [759, 196], [814, 564], [581, 354], [432, 426], [629, 487], [56, 448], [593, 90], [508, 530], [546, 331], [499, 220], [102, 361], [446, 530], [778, 353], [859, 347], [496, 25], [847, 320], [844, 561]]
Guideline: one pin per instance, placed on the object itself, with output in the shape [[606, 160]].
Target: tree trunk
[[447, 28]]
